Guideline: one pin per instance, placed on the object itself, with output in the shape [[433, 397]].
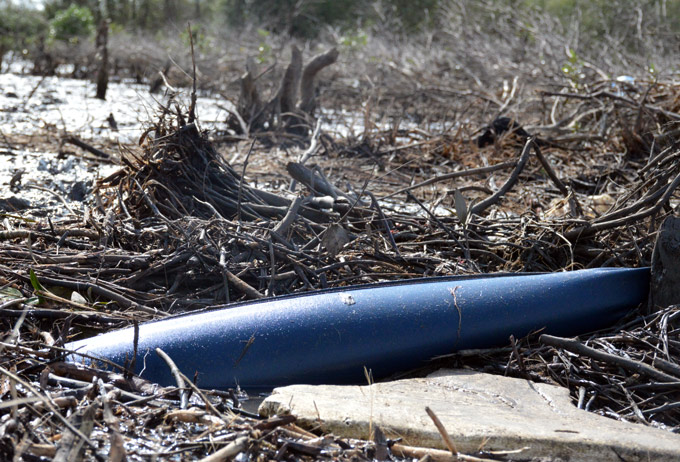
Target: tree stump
[[291, 108], [665, 277]]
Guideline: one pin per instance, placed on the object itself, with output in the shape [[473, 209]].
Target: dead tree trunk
[[102, 58], [3, 50]]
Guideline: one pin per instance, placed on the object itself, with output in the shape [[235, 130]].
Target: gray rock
[[478, 410]]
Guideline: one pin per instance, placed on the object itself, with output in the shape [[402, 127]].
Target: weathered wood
[[291, 107], [665, 285], [290, 83], [312, 68], [250, 104], [312, 179]]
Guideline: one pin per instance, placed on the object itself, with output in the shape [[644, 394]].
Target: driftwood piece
[[283, 226], [312, 179], [242, 286], [240, 444], [665, 280]]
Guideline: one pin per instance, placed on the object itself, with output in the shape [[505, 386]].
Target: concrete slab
[[478, 410]]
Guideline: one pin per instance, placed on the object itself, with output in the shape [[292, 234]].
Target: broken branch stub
[[292, 106], [249, 104], [312, 68], [288, 90]]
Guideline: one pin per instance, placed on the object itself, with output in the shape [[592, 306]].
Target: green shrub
[[19, 27], [71, 24]]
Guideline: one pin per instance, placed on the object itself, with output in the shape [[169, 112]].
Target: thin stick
[[184, 397], [449, 176], [242, 179], [83, 145], [442, 431], [507, 186], [388, 231], [121, 300], [229, 451], [574, 205], [208, 404], [241, 285], [282, 227], [632, 365]]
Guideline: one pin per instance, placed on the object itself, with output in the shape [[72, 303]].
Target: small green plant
[[116, 28], [264, 50], [38, 289], [573, 68], [71, 24], [652, 71], [354, 41]]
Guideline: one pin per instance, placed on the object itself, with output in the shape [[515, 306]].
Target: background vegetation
[[568, 34], [307, 18]]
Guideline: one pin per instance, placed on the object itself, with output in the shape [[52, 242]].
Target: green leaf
[[10, 293], [36, 286], [34, 281]]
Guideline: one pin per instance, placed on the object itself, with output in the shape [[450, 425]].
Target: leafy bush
[[72, 24]]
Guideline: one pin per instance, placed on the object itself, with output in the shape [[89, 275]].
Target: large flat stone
[[478, 410]]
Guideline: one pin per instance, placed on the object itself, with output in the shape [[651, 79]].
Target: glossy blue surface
[[329, 336]]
